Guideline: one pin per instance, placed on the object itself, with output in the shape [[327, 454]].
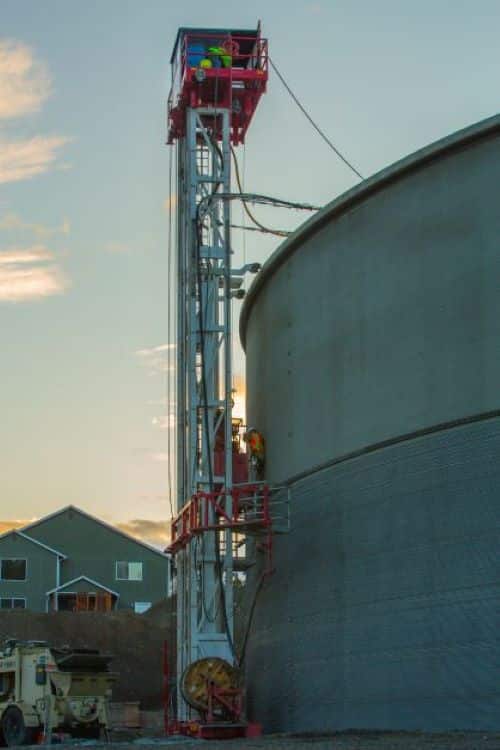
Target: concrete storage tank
[[373, 369]]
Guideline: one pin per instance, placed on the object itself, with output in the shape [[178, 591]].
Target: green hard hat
[[222, 53]]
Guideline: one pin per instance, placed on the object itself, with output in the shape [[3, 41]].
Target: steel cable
[[314, 124], [169, 337]]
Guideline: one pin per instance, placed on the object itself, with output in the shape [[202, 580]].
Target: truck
[[46, 691]]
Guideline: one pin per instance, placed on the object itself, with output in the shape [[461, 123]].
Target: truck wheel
[[14, 730]]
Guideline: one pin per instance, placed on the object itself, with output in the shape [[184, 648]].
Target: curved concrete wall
[[373, 369]]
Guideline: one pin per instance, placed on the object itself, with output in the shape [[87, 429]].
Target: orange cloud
[[24, 81], [156, 358], [161, 457], [16, 256], [239, 396], [170, 203], [30, 274], [156, 533], [6, 526], [13, 222], [22, 160]]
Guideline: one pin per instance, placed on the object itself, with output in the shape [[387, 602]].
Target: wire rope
[[255, 229], [257, 198], [262, 227], [243, 212], [314, 124], [251, 613], [169, 335]]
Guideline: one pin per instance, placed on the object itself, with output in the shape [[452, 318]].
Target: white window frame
[[141, 607], [15, 580], [129, 563], [11, 598]]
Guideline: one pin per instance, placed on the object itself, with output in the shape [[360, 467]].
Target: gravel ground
[[339, 741]]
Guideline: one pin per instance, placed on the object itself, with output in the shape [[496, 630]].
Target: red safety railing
[[251, 64], [237, 74], [246, 508]]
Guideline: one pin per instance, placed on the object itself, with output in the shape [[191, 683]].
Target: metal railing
[[246, 55], [250, 508]]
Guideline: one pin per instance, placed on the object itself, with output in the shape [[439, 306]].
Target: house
[[71, 560]]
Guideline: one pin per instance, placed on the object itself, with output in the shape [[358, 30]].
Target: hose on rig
[[206, 424]]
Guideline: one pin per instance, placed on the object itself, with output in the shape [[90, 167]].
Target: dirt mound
[[162, 614], [134, 641]]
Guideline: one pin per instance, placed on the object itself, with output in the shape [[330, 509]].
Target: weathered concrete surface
[[372, 330]]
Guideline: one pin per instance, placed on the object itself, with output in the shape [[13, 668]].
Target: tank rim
[[413, 162]]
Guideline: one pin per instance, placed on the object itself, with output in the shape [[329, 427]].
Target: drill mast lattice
[[218, 77]]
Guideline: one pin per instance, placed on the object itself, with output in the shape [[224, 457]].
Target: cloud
[[116, 247], [22, 160], [6, 526], [20, 256], [154, 532], [239, 396], [30, 274], [154, 350], [157, 359], [170, 203], [13, 222], [24, 81], [160, 457], [24, 86], [164, 421]]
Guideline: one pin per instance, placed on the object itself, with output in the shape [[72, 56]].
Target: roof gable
[[19, 532], [103, 524], [60, 589]]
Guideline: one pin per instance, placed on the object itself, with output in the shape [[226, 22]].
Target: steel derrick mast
[[218, 77]]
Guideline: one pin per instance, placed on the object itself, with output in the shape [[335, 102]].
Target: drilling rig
[[218, 78]]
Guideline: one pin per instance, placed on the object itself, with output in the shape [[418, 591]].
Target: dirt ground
[[340, 741], [137, 641]]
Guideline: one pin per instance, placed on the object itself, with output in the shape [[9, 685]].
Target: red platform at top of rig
[[217, 68]]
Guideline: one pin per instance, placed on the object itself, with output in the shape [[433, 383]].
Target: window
[[13, 570], [7, 602], [129, 571], [140, 607]]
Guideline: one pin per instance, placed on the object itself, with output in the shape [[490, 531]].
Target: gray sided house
[[73, 561]]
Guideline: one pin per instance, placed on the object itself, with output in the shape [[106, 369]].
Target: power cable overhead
[[246, 228], [314, 124], [262, 227]]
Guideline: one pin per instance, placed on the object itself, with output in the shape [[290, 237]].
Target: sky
[[84, 205]]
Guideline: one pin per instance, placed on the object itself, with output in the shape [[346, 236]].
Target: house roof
[[96, 520], [20, 532], [82, 578]]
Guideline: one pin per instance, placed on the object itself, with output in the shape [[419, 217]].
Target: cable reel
[[199, 676]]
